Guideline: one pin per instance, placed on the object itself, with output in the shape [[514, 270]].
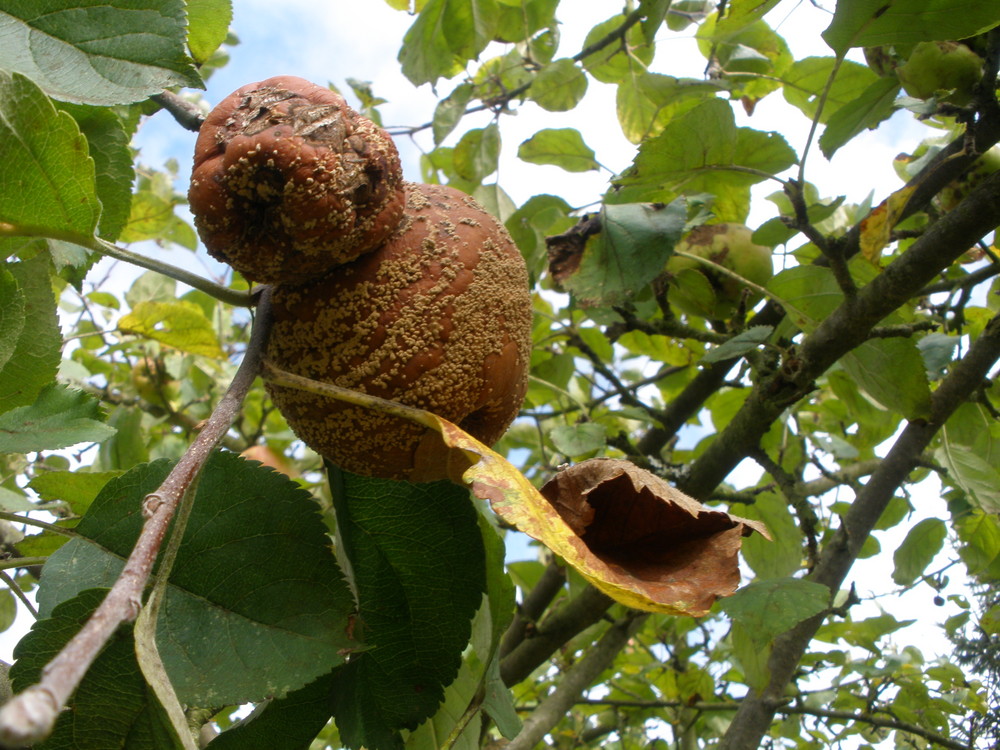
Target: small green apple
[[700, 290], [957, 189], [935, 67]]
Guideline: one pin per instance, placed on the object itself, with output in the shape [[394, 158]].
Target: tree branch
[[30, 715], [823, 713], [573, 617], [535, 603], [574, 681], [844, 329], [186, 113], [757, 710]]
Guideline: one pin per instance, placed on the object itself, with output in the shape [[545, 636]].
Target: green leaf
[[870, 23], [921, 544], [29, 357], [11, 315], [431, 734], [60, 417], [562, 147], [274, 627], [288, 723], [743, 13], [208, 25], [179, 324], [449, 111], [978, 478], [540, 216], [891, 371], [865, 633], [559, 86], [622, 57], [752, 57], [152, 217], [770, 607], [739, 345], [579, 439], [979, 533], [874, 105], [477, 153], [97, 51], [418, 564], [127, 447], [805, 83], [518, 21], [647, 102], [751, 654], [78, 489], [696, 152], [630, 251], [113, 706], [109, 148], [781, 556], [446, 35], [47, 184]]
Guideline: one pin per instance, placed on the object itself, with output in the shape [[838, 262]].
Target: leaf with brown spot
[[648, 544], [637, 539]]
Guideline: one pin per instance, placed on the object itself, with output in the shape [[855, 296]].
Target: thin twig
[[186, 113], [19, 593], [497, 103], [30, 715]]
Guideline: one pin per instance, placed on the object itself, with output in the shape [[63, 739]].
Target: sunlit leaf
[[47, 184], [876, 228], [179, 324], [109, 148], [980, 479], [476, 154], [208, 24], [806, 84], [559, 86], [702, 151], [562, 147], [30, 349], [625, 55]]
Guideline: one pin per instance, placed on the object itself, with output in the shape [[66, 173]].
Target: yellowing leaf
[[876, 228], [625, 530], [179, 324]]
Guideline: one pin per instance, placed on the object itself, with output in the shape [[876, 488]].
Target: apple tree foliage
[[848, 403]]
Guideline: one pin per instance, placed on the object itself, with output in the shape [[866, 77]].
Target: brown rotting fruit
[[438, 317], [289, 181]]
